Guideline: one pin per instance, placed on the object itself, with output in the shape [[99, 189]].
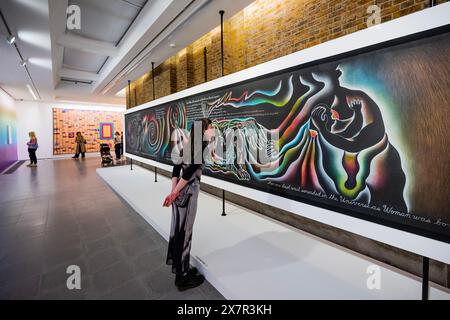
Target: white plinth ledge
[[248, 256]]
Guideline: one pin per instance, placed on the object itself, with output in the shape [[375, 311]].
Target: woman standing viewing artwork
[[183, 198], [80, 145], [32, 147], [117, 143], [121, 143]]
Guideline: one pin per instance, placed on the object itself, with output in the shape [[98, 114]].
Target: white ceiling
[[103, 20], [117, 42]]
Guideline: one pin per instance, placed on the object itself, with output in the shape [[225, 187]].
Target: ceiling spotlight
[[172, 45], [23, 63], [11, 39], [30, 89]]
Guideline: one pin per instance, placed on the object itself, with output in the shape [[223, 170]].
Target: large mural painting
[[97, 127], [364, 134]]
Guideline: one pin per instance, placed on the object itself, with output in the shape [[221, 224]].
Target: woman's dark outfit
[[117, 146], [121, 145], [183, 218], [80, 147], [32, 147]]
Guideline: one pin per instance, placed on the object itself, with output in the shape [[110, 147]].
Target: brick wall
[[263, 31]]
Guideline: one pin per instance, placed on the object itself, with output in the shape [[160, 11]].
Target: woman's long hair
[[32, 135]]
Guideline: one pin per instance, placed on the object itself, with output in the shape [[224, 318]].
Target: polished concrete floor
[[62, 214]]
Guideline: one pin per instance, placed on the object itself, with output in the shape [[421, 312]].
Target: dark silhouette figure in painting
[[351, 121]]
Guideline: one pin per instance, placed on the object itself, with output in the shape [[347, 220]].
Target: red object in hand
[[166, 201], [169, 199]]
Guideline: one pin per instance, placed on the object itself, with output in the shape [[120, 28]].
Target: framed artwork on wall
[[106, 131], [97, 126]]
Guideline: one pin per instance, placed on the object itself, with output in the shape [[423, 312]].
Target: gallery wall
[[8, 137], [38, 117]]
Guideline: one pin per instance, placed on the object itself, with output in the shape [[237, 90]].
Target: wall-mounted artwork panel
[[363, 133], [96, 126]]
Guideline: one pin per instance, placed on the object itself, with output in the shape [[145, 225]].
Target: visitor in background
[[121, 143], [117, 141], [32, 147], [80, 145], [183, 198]]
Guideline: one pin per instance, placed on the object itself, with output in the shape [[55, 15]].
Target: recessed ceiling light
[[11, 39], [172, 45]]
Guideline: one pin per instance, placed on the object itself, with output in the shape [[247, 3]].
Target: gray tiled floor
[[62, 214]]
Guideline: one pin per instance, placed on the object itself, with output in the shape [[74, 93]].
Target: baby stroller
[[107, 159]]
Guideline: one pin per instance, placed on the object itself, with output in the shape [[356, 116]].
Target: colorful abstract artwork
[[362, 135], [96, 126], [106, 131]]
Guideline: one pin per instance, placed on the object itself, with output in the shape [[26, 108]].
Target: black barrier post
[[425, 277], [205, 64], [154, 95], [221, 12], [223, 203], [153, 80], [129, 106], [129, 93], [221, 38]]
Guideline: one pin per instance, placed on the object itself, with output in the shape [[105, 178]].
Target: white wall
[[33, 117], [37, 116], [6, 101]]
